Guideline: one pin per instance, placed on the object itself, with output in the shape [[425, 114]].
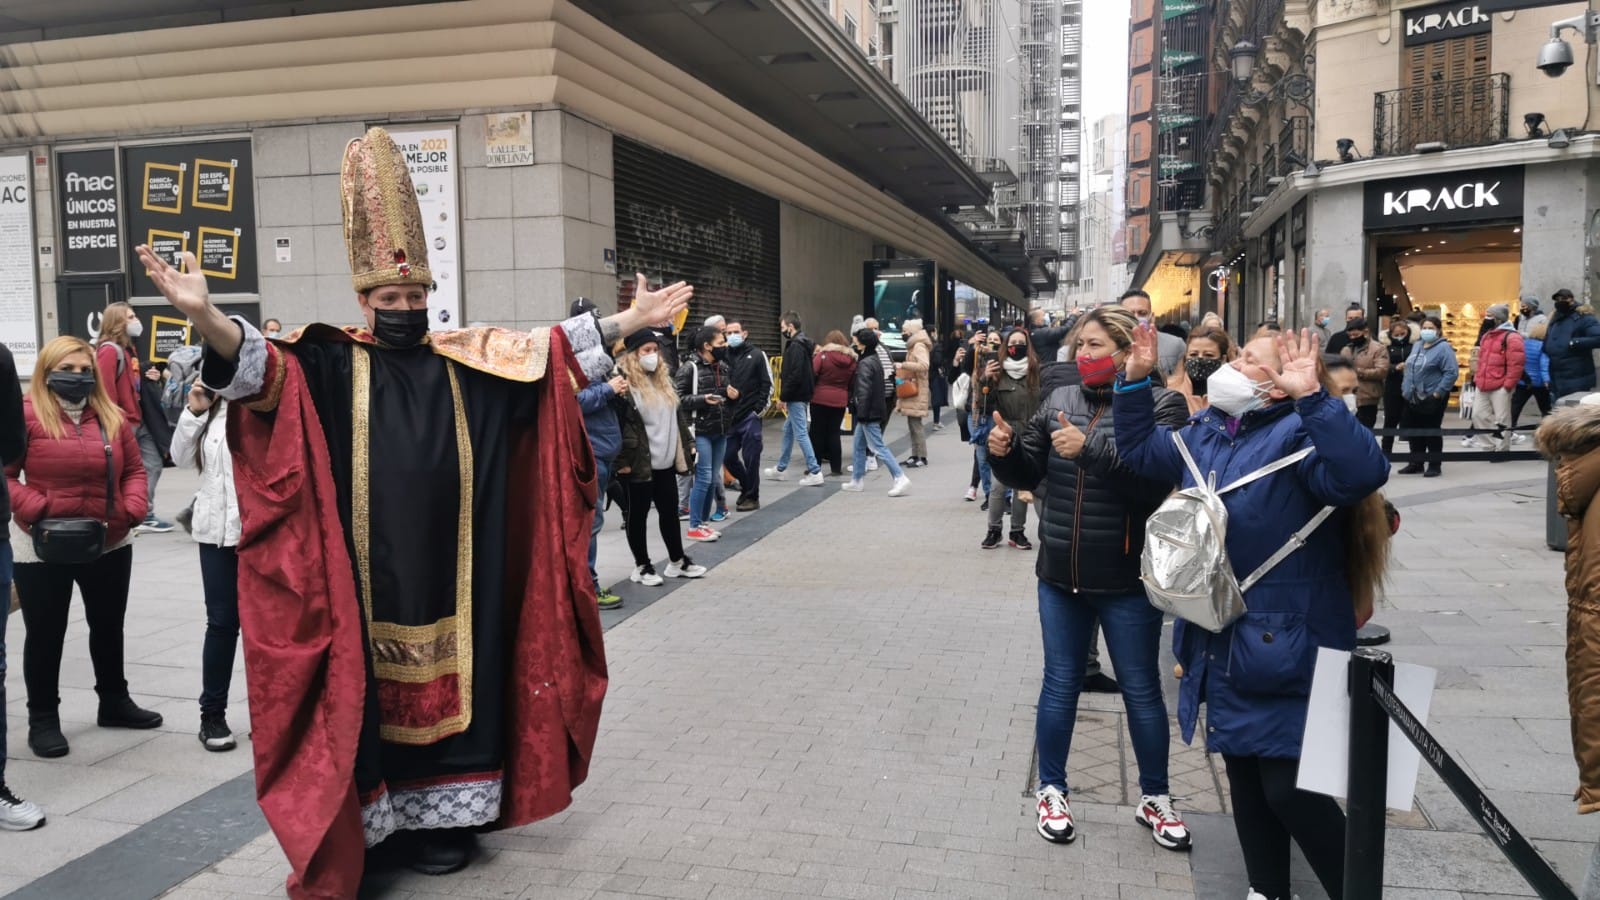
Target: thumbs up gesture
[[1068, 439], [1000, 438]]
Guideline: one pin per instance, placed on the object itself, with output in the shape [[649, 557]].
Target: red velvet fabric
[[302, 630]]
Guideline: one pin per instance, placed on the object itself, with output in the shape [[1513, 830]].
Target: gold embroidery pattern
[[514, 355], [382, 223], [396, 647]]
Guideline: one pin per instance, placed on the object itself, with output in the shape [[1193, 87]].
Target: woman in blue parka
[[1255, 676]]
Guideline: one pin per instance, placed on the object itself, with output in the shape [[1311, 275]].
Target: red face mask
[[1097, 372]]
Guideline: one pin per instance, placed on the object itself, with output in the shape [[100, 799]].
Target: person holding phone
[[705, 386]]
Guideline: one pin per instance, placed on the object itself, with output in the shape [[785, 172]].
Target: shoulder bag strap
[[1266, 470], [1295, 542], [105, 442], [1188, 460]]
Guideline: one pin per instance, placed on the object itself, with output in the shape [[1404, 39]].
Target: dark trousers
[[1268, 810], [661, 491], [219, 574], [1520, 397], [743, 456], [46, 593], [1368, 416], [1394, 411], [1426, 415], [825, 441]]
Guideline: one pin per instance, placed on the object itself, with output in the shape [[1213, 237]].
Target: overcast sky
[[1105, 59]]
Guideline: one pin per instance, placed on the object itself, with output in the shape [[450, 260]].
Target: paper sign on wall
[[19, 287], [1325, 751], [508, 139]]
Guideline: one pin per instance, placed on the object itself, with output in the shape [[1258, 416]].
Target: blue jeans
[[985, 475], [5, 601], [602, 480], [797, 427], [709, 453], [1133, 635], [870, 434]]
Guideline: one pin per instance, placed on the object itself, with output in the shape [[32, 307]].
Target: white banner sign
[[1325, 751], [431, 157], [19, 289]]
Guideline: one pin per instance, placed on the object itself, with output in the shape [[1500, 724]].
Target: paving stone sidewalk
[[845, 709]]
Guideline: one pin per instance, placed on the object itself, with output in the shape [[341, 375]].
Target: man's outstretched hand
[[661, 305], [187, 292]]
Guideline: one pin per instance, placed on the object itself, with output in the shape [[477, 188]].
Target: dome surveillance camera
[[1555, 57]]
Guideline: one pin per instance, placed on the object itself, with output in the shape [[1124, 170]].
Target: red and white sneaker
[[703, 534], [1055, 816], [1155, 812]]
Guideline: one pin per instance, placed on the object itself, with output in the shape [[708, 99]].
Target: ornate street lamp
[[1297, 87]]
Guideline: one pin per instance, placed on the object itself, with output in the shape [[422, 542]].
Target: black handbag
[[78, 540]]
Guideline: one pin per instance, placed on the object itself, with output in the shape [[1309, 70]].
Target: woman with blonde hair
[[656, 449], [118, 363], [81, 466]]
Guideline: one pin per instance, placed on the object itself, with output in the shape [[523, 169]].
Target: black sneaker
[[992, 539], [1020, 541], [45, 738], [747, 504], [153, 524], [985, 506], [17, 814], [124, 713], [215, 734]]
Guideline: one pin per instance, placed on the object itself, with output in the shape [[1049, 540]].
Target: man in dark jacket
[[1569, 341], [605, 437], [1045, 339], [16, 814], [796, 384], [752, 376], [870, 408]]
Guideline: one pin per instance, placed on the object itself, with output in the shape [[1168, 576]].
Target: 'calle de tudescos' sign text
[[1477, 195], [1427, 24]]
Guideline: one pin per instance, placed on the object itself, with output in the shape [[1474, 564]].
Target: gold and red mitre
[[382, 223]]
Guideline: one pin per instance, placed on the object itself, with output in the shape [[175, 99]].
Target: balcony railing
[[1468, 112], [1294, 145]]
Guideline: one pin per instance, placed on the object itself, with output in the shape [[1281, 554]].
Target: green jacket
[[635, 453]]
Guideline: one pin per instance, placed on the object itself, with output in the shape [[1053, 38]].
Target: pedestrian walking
[[1047, 339], [1091, 538], [16, 814], [656, 448], [1398, 342], [1430, 373], [1501, 365], [1570, 340], [598, 402], [1529, 315], [987, 351], [869, 407], [1370, 360], [200, 442], [1267, 405], [705, 391], [798, 378], [833, 369], [960, 375], [81, 466], [914, 371], [751, 376], [1535, 381], [938, 385], [1010, 388], [117, 362]]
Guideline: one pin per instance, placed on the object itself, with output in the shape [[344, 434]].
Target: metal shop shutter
[[676, 220]]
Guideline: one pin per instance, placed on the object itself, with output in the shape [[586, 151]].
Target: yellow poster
[[163, 187], [219, 251], [213, 185], [169, 245], [166, 336]]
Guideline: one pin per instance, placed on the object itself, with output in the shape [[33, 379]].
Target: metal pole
[[1369, 777]]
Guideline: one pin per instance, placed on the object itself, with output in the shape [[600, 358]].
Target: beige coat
[[919, 349], [1372, 370], [1572, 437]]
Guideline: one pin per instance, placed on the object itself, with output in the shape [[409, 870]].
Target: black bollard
[[1369, 777]]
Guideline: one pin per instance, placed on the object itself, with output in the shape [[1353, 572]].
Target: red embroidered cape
[[301, 623]]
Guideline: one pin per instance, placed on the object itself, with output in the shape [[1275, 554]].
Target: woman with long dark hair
[[1007, 388], [834, 365]]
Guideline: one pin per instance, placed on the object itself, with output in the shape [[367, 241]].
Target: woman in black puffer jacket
[[1091, 536]]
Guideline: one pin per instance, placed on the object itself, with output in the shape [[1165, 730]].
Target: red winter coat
[[834, 367], [124, 386], [1500, 360], [60, 478]]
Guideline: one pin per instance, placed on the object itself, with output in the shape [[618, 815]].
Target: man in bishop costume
[[421, 638]]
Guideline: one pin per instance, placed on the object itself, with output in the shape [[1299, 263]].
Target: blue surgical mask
[[1429, 335], [735, 340]]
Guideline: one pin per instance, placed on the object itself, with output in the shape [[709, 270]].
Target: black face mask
[[400, 328], [1358, 342], [719, 354], [1017, 351], [73, 387], [1564, 306], [1198, 368]]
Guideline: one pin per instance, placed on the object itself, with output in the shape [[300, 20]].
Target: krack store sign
[[1478, 195], [1427, 24]]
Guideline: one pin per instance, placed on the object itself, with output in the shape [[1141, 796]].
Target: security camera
[[1555, 57]]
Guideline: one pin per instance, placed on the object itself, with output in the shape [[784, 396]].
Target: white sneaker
[[775, 474], [854, 486], [685, 568], [812, 480], [1155, 812], [1480, 442], [646, 575], [1055, 816], [17, 814], [902, 486], [1518, 437], [972, 494], [1255, 895], [872, 464], [1469, 440]]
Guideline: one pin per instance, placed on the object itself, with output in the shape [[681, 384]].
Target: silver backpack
[[1185, 566]]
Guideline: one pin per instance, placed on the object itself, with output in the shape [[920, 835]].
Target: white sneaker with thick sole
[[685, 568], [902, 486], [812, 480], [1155, 812], [646, 575], [775, 474], [1055, 816], [855, 487], [1518, 437], [17, 814]]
